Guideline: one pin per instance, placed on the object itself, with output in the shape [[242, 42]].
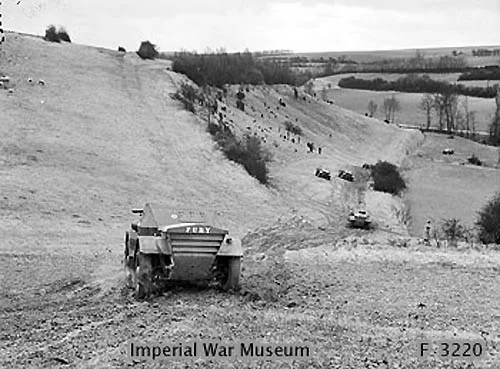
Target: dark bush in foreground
[[489, 221], [147, 50], [63, 35], [474, 160], [248, 152], [51, 34], [386, 178]]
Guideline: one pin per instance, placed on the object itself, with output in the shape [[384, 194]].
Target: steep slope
[[103, 135], [346, 139]]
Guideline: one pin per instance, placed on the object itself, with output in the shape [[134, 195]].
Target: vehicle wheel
[[140, 291], [144, 274], [233, 273]]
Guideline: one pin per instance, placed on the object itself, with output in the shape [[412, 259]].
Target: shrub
[[63, 35], [453, 230], [147, 50], [489, 221], [51, 34], [386, 178], [248, 152], [474, 160], [188, 95], [289, 126]]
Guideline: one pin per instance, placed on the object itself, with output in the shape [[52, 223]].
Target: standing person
[[427, 232]]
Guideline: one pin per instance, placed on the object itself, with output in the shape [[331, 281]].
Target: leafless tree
[[387, 109], [450, 103], [439, 109], [391, 105], [495, 123], [427, 104], [472, 123], [465, 105], [446, 106]]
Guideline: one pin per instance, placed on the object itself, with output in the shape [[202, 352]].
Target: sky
[[236, 25]]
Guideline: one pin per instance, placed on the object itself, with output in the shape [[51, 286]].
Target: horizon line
[[292, 51]]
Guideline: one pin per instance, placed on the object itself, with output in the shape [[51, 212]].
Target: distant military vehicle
[[346, 175], [166, 246], [323, 173], [448, 152], [359, 219]]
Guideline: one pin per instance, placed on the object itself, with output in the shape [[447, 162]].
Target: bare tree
[[467, 116], [372, 108], [395, 106], [427, 104], [472, 123], [387, 109], [449, 103], [391, 106], [454, 112], [439, 108], [459, 115], [495, 124]]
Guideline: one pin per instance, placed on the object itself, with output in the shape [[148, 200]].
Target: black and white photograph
[[279, 184]]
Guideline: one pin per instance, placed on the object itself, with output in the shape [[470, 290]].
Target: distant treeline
[[413, 83], [486, 52], [491, 73], [218, 69]]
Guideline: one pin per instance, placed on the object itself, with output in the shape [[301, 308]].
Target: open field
[[442, 187], [410, 114], [104, 135]]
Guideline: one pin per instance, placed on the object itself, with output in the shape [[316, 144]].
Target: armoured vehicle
[[448, 152], [359, 219], [346, 175], [323, 173], [166, 246]]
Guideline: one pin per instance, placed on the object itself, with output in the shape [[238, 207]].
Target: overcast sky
[[307, 25]]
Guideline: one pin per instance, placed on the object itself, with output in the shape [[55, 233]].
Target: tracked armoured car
[[323, 173], [359, 219], [165, 247]]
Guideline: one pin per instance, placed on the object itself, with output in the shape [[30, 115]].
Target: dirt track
[[108, 137]]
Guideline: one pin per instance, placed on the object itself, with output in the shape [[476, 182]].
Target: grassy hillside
[[104, 135]]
